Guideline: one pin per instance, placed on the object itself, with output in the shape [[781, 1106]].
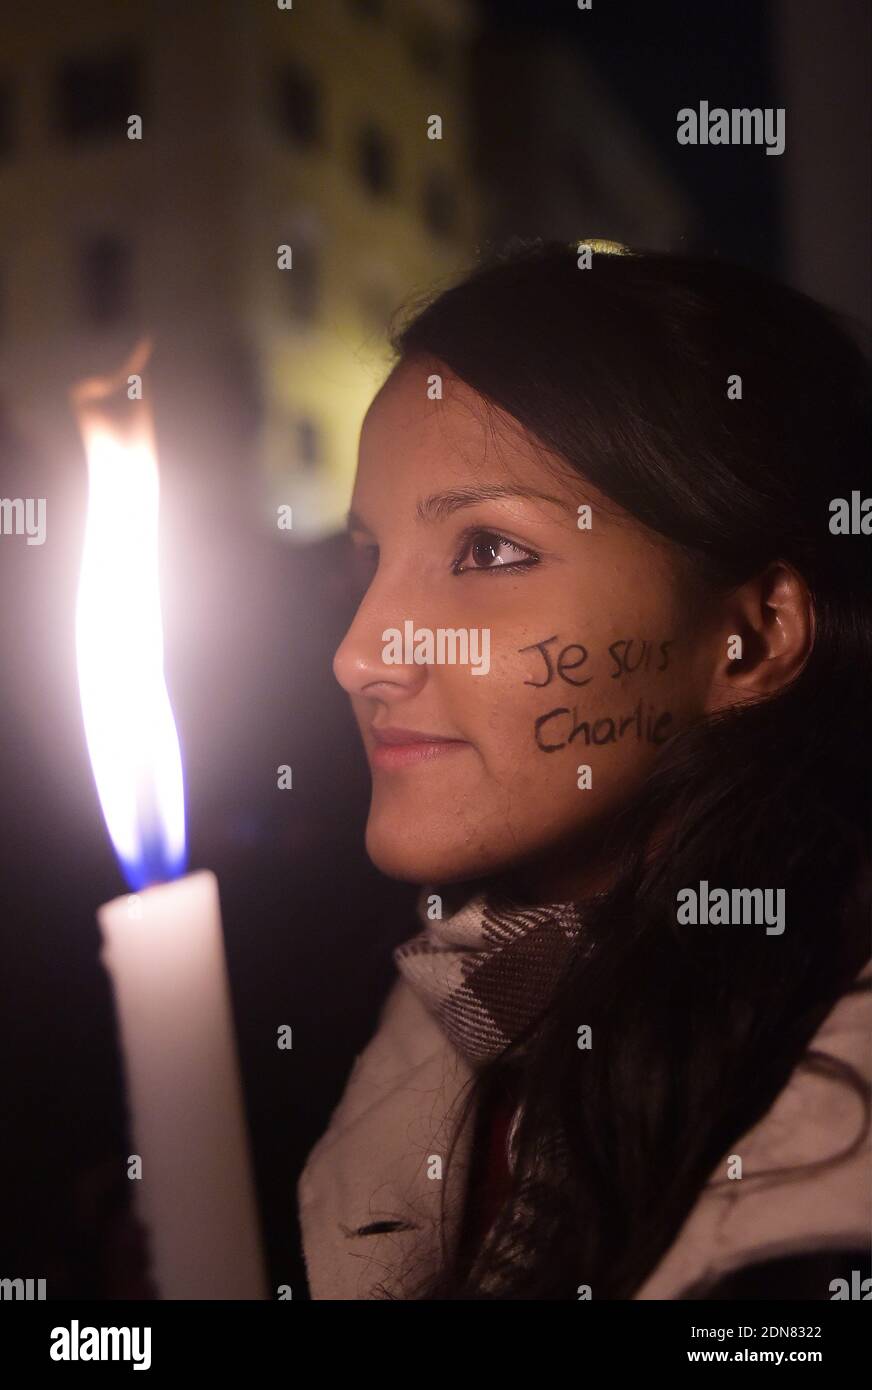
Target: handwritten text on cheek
[[627, 655]]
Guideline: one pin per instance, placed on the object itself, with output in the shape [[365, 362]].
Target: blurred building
[[262, 127], [564, 154]]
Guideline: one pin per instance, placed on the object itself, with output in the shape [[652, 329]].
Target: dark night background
[[309, 923]]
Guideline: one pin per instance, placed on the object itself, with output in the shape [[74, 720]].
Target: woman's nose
[[359, 663]]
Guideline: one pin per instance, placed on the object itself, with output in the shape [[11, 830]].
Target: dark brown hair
[[622, 370]]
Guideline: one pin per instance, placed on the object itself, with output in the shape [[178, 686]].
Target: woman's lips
[[399, 747]]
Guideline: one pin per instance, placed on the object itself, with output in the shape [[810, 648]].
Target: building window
[[303, 280], [7, 136], [95, 96], [439, 204], [309, 447], [298, 105], [374, 161], [106, 280]]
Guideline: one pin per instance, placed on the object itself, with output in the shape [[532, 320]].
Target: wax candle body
[[164, 951]]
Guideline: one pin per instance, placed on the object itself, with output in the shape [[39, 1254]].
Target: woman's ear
[[765, 637]]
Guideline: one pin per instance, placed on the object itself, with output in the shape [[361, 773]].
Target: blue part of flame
[[155, 860]]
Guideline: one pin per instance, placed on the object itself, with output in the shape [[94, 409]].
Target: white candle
[[162, 944], [164, 952]]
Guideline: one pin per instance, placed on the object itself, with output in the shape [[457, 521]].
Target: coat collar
[[811, 1202], [370, 1196], [383, 1159]]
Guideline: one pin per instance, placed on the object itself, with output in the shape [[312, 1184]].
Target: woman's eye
[[485, 550]]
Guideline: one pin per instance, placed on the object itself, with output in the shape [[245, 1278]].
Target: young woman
[[611, 670]]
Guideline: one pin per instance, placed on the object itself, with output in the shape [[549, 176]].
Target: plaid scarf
[[486, 971], [488, 968]]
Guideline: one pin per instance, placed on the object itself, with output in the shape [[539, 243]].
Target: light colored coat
[[402, 1101]]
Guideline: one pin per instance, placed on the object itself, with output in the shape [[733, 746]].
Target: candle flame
[[131, 735]]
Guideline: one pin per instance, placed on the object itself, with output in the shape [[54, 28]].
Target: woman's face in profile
[[573, 659]]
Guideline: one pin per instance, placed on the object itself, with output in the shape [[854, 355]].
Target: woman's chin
[[413, 855]]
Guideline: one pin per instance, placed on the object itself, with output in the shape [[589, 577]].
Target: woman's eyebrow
[[442, 504]]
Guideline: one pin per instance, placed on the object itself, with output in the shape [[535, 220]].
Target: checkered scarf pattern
[[487, 969]]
